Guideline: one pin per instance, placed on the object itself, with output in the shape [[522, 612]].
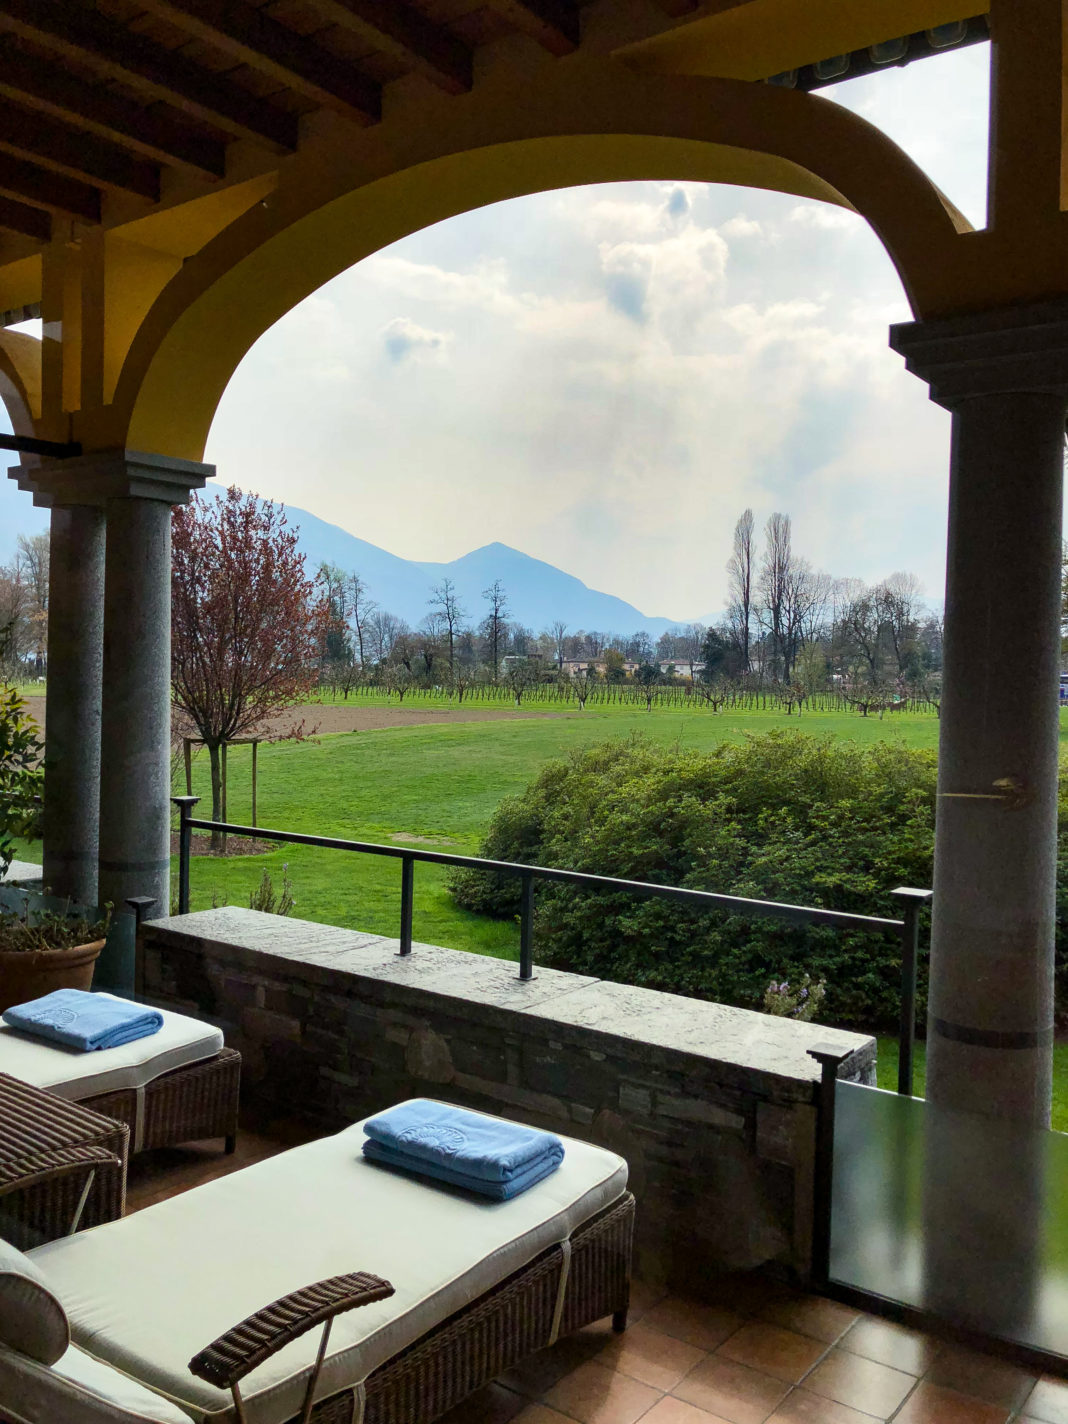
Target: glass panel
[[961, 1215]]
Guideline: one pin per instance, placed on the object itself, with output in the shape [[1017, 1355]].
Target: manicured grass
[[886, 1074], [441, 783]]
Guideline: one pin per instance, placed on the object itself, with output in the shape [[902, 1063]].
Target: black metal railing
[[907, 928]]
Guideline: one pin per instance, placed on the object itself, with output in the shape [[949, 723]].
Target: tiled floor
[[760, 1354]]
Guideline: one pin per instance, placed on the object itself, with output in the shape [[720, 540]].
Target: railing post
[[913, 902], [185, 806], [407, 899], [526, 927], [139, 904], [828, 1057]]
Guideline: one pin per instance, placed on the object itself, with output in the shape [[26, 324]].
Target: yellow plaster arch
[[20, 380], [586, 121]]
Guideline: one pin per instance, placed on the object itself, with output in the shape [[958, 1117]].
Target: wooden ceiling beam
[[78, 155], [44, 88], [54, 191], [407, 35], [553, 23], [26, 221], [253, 38], [87, 37]]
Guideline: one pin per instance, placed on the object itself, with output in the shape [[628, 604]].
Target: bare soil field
[[323, 720]]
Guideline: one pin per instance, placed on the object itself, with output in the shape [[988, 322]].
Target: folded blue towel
[[82, 1020], [539, 1168], [465, 1142]]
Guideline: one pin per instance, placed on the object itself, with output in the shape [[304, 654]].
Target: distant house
[[681, 667]]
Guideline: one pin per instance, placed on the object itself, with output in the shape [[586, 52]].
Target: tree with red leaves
[[246, 621]]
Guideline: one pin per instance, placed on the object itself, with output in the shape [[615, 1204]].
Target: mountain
[[538, 593]]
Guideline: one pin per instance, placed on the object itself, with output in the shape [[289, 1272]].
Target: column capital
[[1012, 349], [102, 475]]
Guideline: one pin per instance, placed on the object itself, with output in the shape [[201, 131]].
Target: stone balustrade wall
[[713, 1107]]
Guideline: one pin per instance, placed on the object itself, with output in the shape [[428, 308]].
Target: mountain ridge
[[538, 593]]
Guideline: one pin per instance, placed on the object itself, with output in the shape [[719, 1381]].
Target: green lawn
[[441, 783], [886, 1072]]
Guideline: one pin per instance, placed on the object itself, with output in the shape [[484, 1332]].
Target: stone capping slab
[[729, 1044], [22, 872]]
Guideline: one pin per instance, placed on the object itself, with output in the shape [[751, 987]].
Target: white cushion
[[74, 1075], [78, 1390], [150, 1291], [32, 1320]]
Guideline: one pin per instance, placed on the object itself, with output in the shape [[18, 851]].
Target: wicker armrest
[[230, 1358], [48, 1166]]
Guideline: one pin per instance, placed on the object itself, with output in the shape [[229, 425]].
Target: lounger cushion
[[146, 1293], [32, 1321], [71, 1074], [78, 1390]]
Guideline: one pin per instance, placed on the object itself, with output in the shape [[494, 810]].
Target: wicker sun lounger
[[452, 1290], [180, 1085]]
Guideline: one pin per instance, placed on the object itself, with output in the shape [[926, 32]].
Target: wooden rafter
[[86, 36], [407, 35], [45, 89], [54, 191], [255, 39], [27, 221], [79, 155], [553, 23]]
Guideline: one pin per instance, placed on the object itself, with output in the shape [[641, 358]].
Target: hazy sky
[[605, 377]]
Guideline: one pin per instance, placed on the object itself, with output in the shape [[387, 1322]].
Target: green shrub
[[783, 816], [21, 775]]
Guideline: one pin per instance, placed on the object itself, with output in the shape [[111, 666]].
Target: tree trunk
[[217, 840]]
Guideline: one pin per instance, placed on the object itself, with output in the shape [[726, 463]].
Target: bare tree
[[443, 598], [361, 606], [774, 585], [740, 584], [690, 642], [556, 633], [383, 629], [902, 609], [493, 624]]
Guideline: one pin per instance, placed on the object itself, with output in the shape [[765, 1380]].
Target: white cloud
[[627, 368], [404, 338]]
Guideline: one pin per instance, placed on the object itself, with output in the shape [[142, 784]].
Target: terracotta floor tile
[[779, 1352], [981, 1376], [932, 1404], [541, 1414], [890, 1344], [801, 1406], [593, 1394], [492, 1405], [650, 1356], [676, 1411], [735, 1392], [643, 1296], [811, 1315], [534, 1377], [705, 1326], [1048, 1401], [746, 1292], [862, 1384]]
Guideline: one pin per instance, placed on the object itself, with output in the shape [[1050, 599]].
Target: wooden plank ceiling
[[101, 95]]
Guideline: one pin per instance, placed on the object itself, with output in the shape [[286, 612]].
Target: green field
[[440, 783], [436, 787]]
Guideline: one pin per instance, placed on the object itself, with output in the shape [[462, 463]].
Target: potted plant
[[45, 944], [44, 949]]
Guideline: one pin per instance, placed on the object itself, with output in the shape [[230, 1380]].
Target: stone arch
[[586, 122]]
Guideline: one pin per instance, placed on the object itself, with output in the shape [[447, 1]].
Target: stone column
[[72, 741], [1004, 375], [134, 493]]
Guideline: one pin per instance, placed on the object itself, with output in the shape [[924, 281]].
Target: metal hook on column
[[1010, 791]]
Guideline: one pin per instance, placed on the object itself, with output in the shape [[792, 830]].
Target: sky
[[606, 377]]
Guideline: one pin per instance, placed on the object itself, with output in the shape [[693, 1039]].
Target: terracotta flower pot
[[29, 974]]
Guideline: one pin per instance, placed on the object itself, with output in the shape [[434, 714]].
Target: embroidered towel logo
[[447, 1140], [58, 1018]]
